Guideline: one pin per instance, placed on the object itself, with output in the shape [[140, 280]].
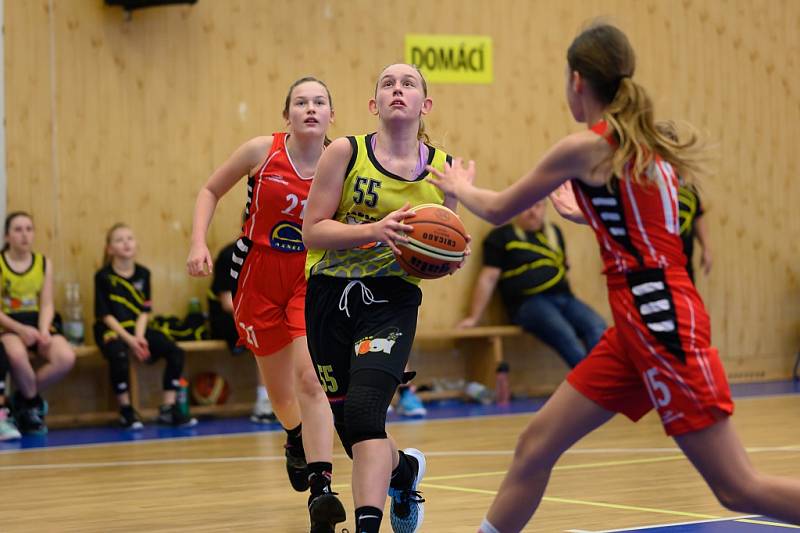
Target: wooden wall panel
[[112, 119]]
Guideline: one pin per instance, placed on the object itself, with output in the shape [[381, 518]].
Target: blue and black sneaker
[[406, 511]]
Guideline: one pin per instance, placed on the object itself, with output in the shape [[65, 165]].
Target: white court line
[[271, 458], [192, 438], [668, 524]]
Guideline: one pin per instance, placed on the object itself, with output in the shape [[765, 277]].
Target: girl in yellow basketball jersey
[[26, 319], [361, 307]]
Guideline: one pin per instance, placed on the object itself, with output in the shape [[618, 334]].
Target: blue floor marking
[[733, 524], [225, 426]]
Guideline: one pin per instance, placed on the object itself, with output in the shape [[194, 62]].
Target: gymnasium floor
[[227, 475]]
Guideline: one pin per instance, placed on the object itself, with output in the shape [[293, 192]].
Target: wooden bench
[[482, 346], [85, 396]]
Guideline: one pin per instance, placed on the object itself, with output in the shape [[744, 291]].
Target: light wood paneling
[[111, 119]]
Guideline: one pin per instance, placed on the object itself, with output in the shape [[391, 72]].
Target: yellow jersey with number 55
[[369, 193]]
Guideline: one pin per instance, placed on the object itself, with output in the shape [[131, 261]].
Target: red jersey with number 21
[[276, 201]]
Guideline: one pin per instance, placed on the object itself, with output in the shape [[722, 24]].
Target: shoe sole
[[326, 510]]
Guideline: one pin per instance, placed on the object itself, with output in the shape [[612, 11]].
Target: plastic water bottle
[[194, 306], [73, 315], [502, 390], [182, 396]]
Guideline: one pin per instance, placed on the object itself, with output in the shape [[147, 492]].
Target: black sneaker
[[41, 405], [296, 467], [29, 422], [325, 511], [129, 418], [170, 415]]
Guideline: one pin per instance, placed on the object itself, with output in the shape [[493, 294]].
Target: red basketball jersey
[[636, 223], [276, 201]]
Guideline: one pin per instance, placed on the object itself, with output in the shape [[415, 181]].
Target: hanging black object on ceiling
[[130, 5]]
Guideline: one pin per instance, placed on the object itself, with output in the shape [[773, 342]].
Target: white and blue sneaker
[[406, 510], [410, 404], [8, 431]]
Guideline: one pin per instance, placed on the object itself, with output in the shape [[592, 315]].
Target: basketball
[[209, 388], [436, 245]]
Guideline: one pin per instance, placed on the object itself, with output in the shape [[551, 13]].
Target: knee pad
[[365, 406]]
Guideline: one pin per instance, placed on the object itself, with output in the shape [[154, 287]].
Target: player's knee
[[64, 358], [17, 355], [534, 448], [365, 413], [740, 495], [307, 383]]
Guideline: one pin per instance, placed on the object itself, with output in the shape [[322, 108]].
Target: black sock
[[368, 519], [319, 477], [403, 476], [294, 440]]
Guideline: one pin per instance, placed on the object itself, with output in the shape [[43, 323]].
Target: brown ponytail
[[604, 57]]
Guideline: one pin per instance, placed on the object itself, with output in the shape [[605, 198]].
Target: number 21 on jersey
[[293, 200]]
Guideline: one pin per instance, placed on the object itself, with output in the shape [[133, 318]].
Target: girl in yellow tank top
[[26, 319], [361, 307]]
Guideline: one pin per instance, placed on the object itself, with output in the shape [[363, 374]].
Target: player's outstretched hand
[[454, 176], [563, 199]]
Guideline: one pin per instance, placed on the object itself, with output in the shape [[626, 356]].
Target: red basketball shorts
[[269, 305], [657, 355]]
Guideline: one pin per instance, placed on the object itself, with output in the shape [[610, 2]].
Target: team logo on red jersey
[[287, 237], [277, 179]]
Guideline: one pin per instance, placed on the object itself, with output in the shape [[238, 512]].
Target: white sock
[[487, 527], [261, 393]]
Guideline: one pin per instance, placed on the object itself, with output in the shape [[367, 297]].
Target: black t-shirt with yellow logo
[[125, 298], [532, 262]]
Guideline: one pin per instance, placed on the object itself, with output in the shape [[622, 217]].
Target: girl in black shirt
[[121, 308]]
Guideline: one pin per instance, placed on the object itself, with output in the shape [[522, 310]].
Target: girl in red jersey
[[269, 296], [658, 354]]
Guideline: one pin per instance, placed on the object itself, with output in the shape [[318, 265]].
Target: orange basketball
[[209, 388], [436, 245]]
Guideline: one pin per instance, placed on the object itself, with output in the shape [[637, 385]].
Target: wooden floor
[[623, 475]]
